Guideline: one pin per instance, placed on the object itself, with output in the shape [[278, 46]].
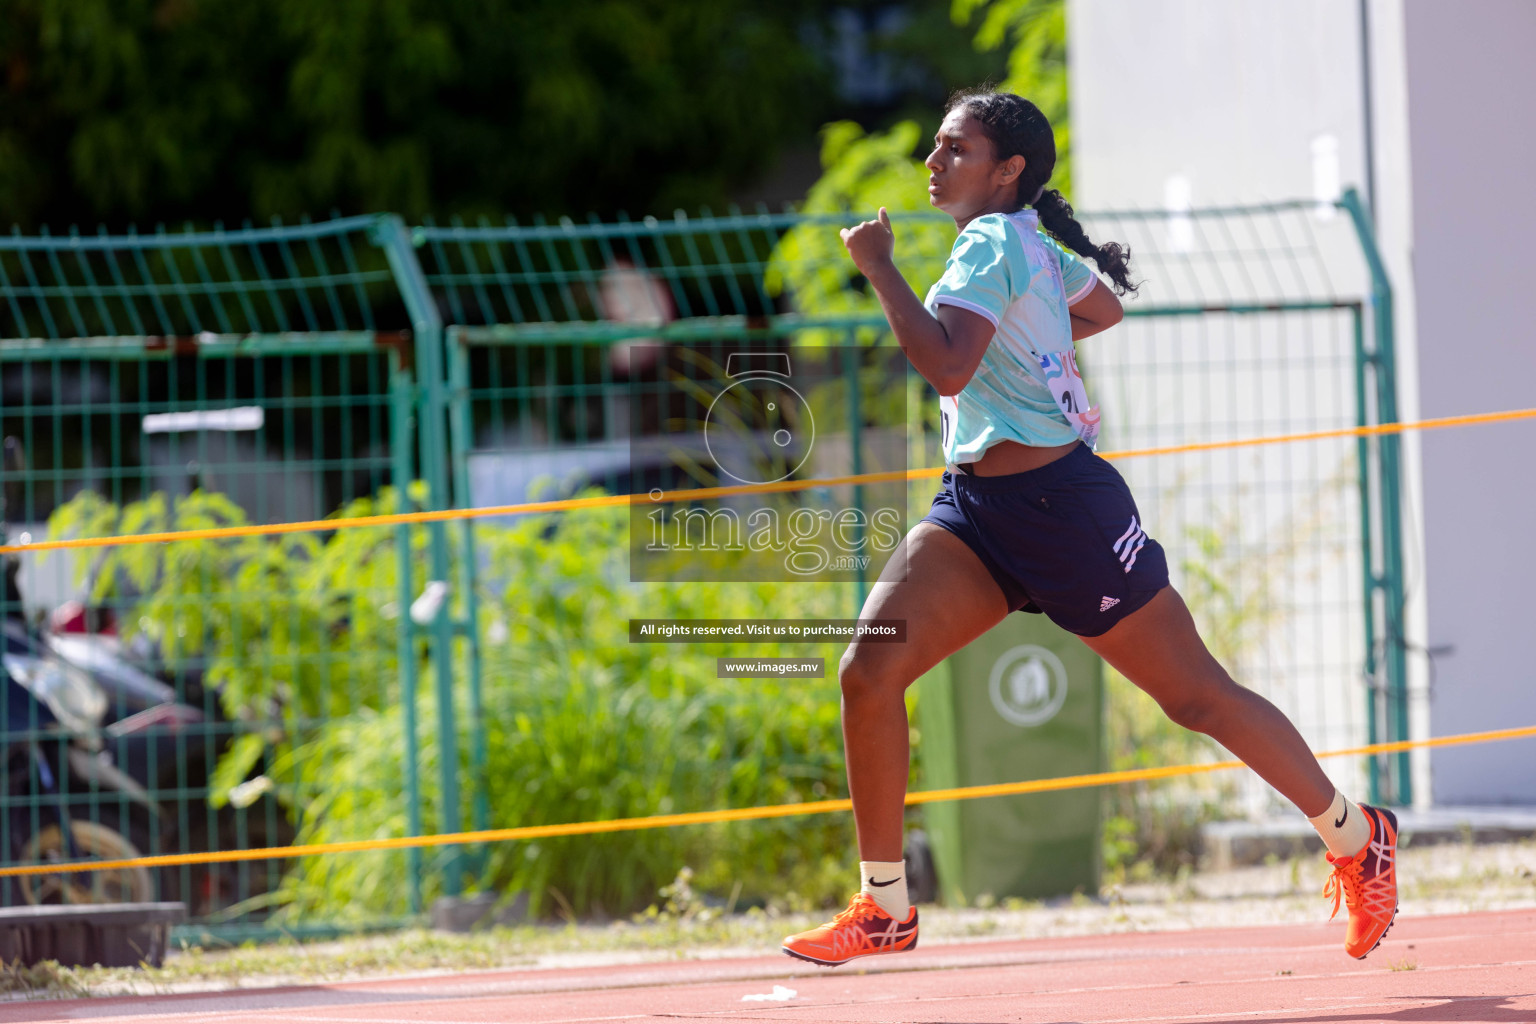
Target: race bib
[[1066, 384]]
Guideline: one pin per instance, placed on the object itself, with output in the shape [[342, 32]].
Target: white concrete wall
[[1472, 124], [1229, 96]]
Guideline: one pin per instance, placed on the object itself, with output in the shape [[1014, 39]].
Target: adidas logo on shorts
[[1108, 603]]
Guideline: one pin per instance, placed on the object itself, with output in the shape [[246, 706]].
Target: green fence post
[[391, 234], [1367, 539], [1397, 787], [461, 439], [402, 429]]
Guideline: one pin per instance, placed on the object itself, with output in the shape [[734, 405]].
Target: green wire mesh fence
[[1259, 322], [400, 680], [180, 380]]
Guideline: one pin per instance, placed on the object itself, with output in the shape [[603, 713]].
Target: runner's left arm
[[1095, 312]]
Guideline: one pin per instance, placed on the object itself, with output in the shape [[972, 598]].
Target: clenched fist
[[870, 243]]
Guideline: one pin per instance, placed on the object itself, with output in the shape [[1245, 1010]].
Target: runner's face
[[965, 179]]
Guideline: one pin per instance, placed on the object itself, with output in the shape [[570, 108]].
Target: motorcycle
[[64, 797], [165, 740], [126, 738]]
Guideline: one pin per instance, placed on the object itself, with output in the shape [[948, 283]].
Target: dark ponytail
[[1113, 258], [1016, 127]]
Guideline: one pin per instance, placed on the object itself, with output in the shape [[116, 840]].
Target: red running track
[[1473, 967]]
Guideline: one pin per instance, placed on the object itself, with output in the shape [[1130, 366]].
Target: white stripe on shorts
[[1129, 532]]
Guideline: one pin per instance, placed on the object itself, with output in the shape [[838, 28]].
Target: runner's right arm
[[945, 349]]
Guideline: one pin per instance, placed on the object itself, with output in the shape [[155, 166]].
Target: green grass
[[48, 980], [405, 952]]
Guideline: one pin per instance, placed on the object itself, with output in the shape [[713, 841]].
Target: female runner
[[1029, 518]]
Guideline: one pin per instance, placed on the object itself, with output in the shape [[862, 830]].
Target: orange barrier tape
[[698, 494], [581, 828]]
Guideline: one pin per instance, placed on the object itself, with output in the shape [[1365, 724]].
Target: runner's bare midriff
[[1008, 457]]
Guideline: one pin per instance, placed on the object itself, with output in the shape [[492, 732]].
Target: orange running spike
[[1367, 884], [861, 930]]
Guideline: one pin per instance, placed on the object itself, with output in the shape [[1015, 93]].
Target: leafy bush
[[579, 723], [1153, 828]]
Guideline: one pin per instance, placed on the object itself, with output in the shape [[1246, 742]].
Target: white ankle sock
[[1343, 826], [886, 884]]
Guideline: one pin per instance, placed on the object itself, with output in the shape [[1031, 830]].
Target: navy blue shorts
[[1064, 539]]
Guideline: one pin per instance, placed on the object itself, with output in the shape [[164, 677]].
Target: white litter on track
[[779, 994]]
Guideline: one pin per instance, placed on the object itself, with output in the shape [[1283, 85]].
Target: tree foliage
[[862, 171], [129, 110], [1034, 32]]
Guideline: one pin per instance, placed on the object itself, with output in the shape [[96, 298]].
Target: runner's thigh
[[946, 597]]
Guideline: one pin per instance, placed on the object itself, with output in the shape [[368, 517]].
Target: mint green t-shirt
[[1027, 387]]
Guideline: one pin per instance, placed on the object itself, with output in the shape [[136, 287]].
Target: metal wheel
[[91, 840]]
